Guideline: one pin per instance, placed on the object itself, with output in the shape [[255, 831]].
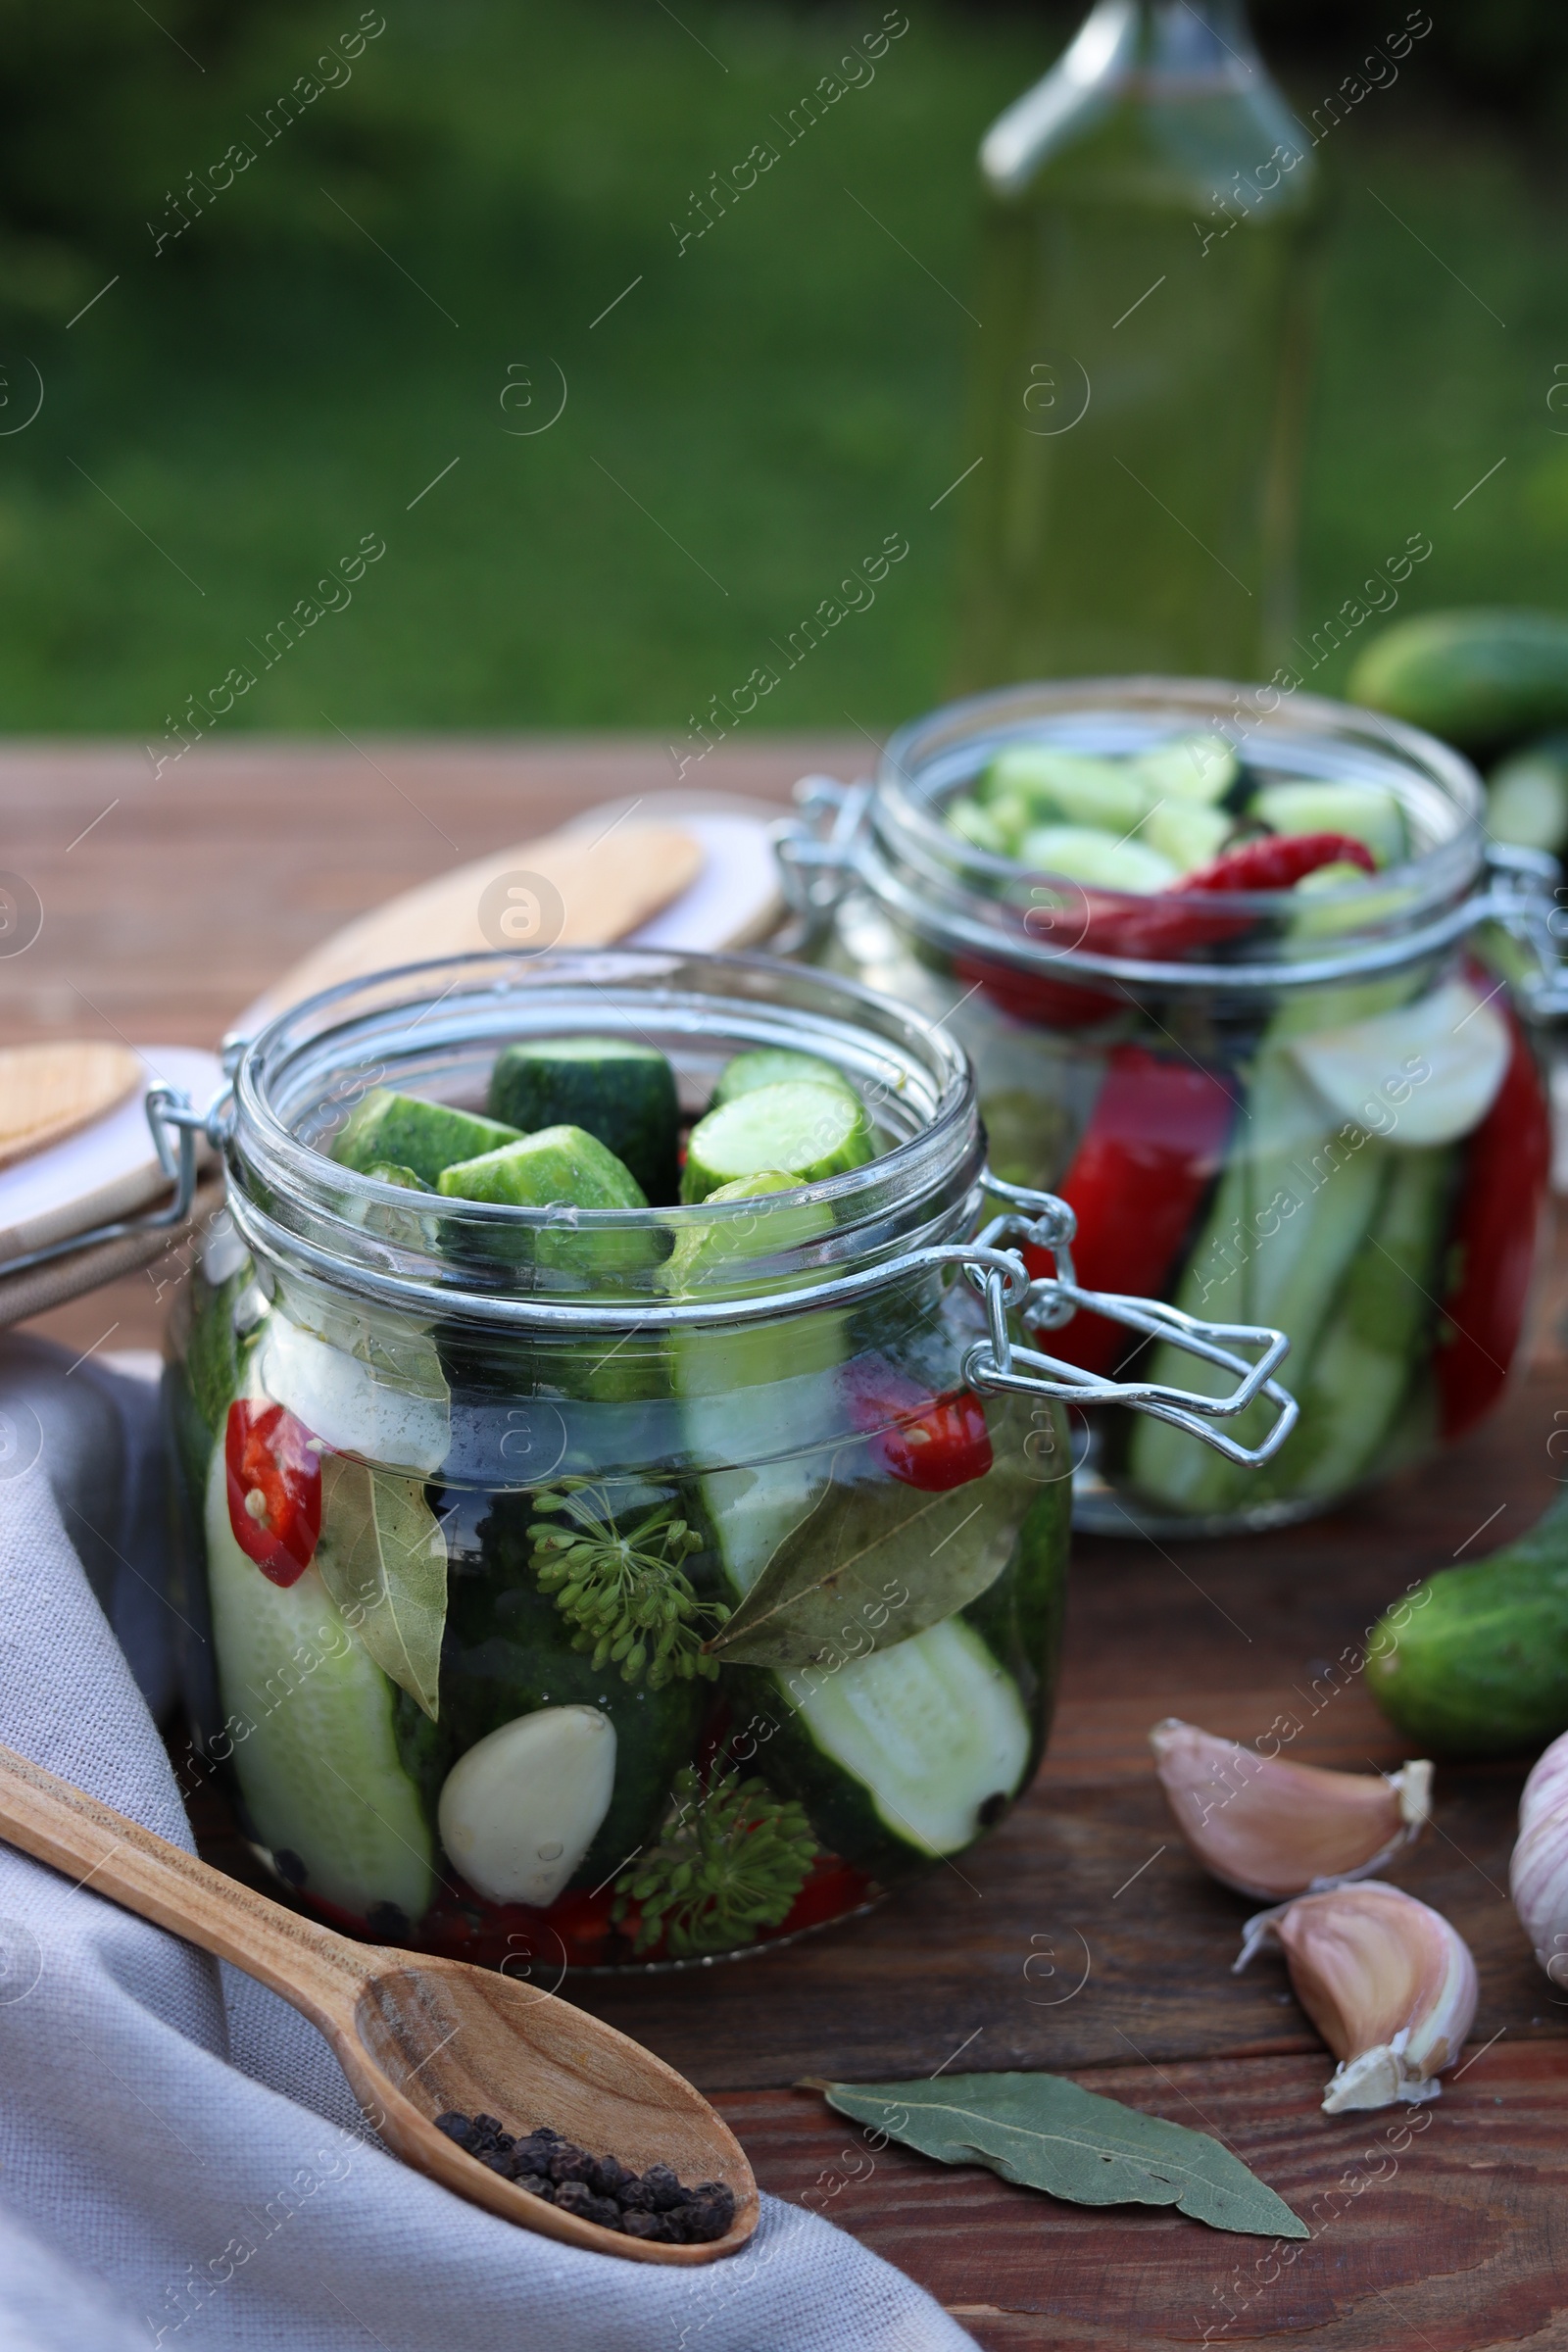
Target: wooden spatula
[[415, 2036], [594, 893], [48, 1092]]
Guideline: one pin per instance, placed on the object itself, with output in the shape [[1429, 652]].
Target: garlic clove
[[1388, 1984], [1537, 1874], [1271, 1828]]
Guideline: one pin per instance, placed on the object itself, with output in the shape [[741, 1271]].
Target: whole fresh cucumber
[[1475, 1661], [1480, 679]]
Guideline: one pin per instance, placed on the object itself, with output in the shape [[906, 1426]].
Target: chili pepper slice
[[1507, 1166], [1154, 1143], [274, 1487], [933, 1443], [1278, 862]]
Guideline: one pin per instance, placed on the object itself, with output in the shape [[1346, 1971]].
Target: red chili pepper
[[933, 1443], [1154, 1143], [1507, 1164], [1035, 996], [274, 1487], [1278, 862]]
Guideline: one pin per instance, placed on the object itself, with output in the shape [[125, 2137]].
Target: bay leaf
[[870, 1564], [382, 1556], [1049, 2134]]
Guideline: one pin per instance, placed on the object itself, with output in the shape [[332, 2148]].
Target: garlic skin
[[1388, 1984], [1537, 1874], [1273, 1829]]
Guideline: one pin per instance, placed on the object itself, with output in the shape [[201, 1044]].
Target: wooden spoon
[[415, 2036]]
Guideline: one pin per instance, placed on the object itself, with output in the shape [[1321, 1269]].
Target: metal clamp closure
[[817, 853], [176, 1131], [1045, 1303]]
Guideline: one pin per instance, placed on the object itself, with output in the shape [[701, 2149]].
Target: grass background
[[775, 401]]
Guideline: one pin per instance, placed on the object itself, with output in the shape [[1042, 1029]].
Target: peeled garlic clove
[[1387, 1982], [1538, 1875], [1270, 1828]]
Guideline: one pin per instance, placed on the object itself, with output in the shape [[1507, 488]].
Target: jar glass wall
[[1321, 1113], [614, 1587]]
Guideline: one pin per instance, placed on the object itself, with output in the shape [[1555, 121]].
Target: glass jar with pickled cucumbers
[[1245, 983], [623, 1525]]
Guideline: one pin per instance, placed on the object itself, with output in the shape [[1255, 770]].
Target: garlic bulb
[[1538, 1875], [1387, 1982], [1269, 1828]]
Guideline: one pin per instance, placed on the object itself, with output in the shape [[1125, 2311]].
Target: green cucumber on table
[[1480, 678], [1474, 1662], [618, 1090]]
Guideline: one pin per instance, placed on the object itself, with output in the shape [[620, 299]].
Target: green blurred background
[[759, 411]]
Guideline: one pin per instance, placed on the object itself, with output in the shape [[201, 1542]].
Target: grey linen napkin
[[181, 2164]]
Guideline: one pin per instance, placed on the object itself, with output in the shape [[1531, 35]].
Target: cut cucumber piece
[[1368, 1357], [536, 1171], [907, 1754], [1185, 833], [562, 1167], [1082, 855], [775, 1065], [1527, 798], [1109, 794], [1190, 767], [313, 1722], [1368, 812], [618, 1089], [701, 1251], [1433, 1067], [977, 824], [387, 1171], [810, 1132], [521, 1809], [405, 1132], [395, 1415]]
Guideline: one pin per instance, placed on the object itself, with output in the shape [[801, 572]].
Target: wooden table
[[1079, 1938]]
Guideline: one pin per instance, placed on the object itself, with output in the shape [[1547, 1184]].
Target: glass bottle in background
[[1141, 370]]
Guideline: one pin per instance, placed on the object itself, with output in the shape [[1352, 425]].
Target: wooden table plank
[[167, 916]]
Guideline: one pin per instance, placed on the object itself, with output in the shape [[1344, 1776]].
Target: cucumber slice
[[387, 1171], [405, 1132], [1364, 1364], [1433, 1067], [1368, 812], [1082, 855], [560, 1166], [318, 1758], [520, 1810], [396, 1415], [810, 1132], [1109, 794], [620, 1091], [1185, 833], [1190, 767], [1527, 798], [907, 1754], [977, 824], [775, 1065]]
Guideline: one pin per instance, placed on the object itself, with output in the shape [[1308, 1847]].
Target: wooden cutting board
[[48, 1092], [568, 889]]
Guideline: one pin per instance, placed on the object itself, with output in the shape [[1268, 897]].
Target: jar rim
[[446, 1016], [949, 889]]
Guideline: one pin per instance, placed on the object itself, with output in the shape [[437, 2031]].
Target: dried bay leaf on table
[[382, 1556], [1047, 2132], [872, 1562]]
